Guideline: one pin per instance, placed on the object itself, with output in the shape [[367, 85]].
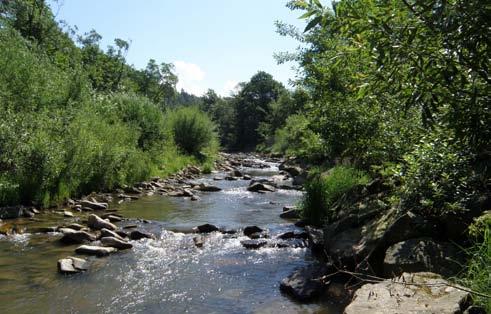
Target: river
[[168, 274]]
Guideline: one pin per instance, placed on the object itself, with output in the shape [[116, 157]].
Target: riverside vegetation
[[387, 125]]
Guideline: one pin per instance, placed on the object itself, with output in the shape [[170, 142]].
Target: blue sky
[[213, 43]]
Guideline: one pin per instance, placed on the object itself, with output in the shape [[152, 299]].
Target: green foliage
[[478, 272], [191, 128], [323, 190]]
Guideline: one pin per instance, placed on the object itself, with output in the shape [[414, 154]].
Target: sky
[[212, 43]]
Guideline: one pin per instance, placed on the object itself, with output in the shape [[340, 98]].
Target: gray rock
[[199, 241], [316, 239], [67, 213], [207, 228], [420, 255], [77, 237], [208, 188], [260, 187], [94, 205], [97, 223], [293, 235], [79, 263], [65, 230], [65, 266], [137, 235], [95, 250], [236, 173], [75, 226], [253, 244], [108, 233], [290, 214], [116, 242], [410, 293], [305, 284], [252, 229]]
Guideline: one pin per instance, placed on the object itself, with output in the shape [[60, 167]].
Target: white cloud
[[190, 77], [228, 88]]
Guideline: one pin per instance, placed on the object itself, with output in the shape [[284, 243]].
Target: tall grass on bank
[[322, 191], [478, 273]]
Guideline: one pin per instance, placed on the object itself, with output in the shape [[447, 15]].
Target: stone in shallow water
[[253, 244], [137, 235], [77, 237], [206, 228], [115, 242], [304, 284], [72, 265], [95, 250], [252, 229], [410, 293], [199, 241], [96, 222]]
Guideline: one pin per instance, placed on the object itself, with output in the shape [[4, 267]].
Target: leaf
[[317, 3], [313, 23], [308, 14]]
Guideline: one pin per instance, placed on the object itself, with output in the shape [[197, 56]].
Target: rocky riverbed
[[229, 241]]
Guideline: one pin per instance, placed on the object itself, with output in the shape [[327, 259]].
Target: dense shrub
[[323, 190], [191, 128]]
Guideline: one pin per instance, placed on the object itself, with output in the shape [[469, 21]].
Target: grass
[[323, 190], [478, 273]]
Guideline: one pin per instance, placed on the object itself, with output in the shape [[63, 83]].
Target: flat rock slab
[[208, 188], [116, 243], [261, 187], [72, 265], [409, 293], [304, 284], [94, 205], [253, 244], [95, 250]]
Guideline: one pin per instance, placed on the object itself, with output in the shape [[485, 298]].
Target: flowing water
[[168, 274]]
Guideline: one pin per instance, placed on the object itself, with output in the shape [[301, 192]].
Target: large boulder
[[97, 223], [77, 237], [116, 243], [410, 293], [95, 250], [305, 284], [422, 254]]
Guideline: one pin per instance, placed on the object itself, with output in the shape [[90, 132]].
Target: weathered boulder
[[305, 284], [410, 293], [260, 187], [253, 244], [77, 237], [94, 205], [95, 250], [116, 242], [420, 255], [252, 229], [97, 223], [72, 265], [137, 235], [206, 228], [75, 226]]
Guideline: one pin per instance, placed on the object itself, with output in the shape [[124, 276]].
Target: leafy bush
[[323, 190], [191, 128], [297, 139]]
